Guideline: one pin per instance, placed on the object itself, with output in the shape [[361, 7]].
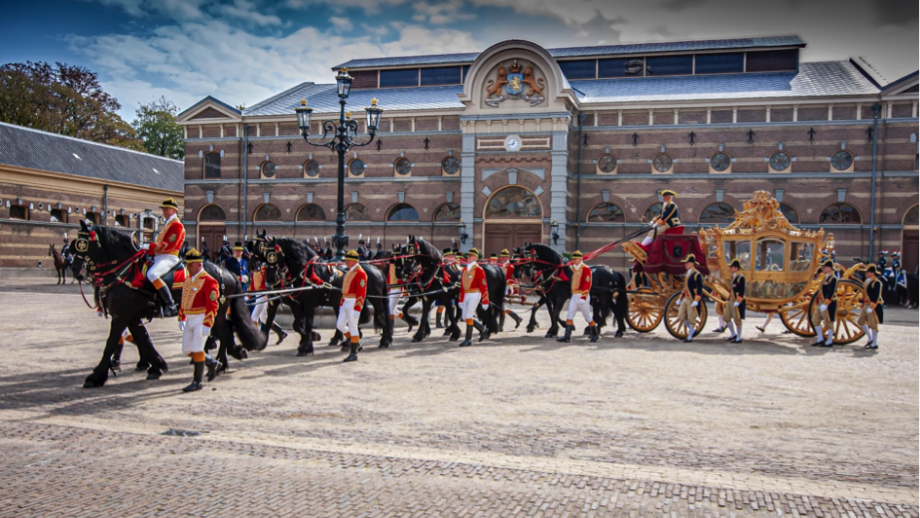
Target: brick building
[[516, 137], [49, 182]]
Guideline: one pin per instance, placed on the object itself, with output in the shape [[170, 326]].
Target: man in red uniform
[[474, 291], [581, 298], [354, 292], [510, 286], [165, 252], [200, 301]]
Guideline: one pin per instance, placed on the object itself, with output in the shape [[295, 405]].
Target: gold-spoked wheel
[[679, 329], [645, 310], [795, 315], [849, 304]]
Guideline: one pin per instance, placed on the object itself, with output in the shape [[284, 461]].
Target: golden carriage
[[779, 261]]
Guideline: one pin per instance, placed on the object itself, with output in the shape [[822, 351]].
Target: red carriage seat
[[667, 251]]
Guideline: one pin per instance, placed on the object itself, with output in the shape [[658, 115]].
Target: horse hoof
[[116, 366], [152, 376], [416, 339], [92, 384], [619, 334], [344, 348], [304, 353], [384, 346]]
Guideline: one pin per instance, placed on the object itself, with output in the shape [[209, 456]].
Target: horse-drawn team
[[241, 297]]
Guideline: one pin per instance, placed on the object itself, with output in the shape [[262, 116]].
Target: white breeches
[[393, 299], [195, 335], [260, 310], [469, 305], [348, 318], [161, 264], [578, 304]]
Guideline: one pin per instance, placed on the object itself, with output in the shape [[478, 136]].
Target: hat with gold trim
[[872, 269], [351, 255], [169, 203], [690, 259], [735, 263], [506, 253], [828, 263], [474, 251], [238, 246], [668, 192], [193, 256], [577, 254]]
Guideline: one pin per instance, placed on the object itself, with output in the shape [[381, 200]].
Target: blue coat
[[239, 267]]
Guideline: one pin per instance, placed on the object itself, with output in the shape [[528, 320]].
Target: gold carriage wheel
[[646, 309], [849, 305], [679, 329], [795, 315]]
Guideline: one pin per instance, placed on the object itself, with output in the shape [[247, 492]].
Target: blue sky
[[243, 51]]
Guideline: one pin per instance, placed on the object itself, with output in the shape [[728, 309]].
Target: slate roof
[[830, 78], [574, 52], [34, 149], [211, 99], [324, 99]]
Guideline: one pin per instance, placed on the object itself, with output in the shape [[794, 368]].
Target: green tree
[[157, 128], [63, 99]]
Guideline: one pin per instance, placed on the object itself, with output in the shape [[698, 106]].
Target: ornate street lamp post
[[344, 137]]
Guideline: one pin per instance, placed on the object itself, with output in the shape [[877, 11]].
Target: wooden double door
[[500, 236], [213, 235]]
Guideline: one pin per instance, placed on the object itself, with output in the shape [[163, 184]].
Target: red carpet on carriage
[[667, 251]]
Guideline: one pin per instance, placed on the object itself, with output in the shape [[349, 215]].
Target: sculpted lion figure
[[495, 87], [536, 85]]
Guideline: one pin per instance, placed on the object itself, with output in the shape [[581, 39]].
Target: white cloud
[[247, 11], [188, 61], [440, 14], [175, 9], [341, 23]]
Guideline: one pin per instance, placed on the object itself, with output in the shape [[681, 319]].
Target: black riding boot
[[469, 336], [214, 367], [568, 334], [437, 320], [280, 332], [196, 381], [484, 332], [594, 333], [517, 319], [169, 307]]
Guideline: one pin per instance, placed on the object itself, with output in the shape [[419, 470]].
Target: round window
[[311, 169], [663, 163], [451, 165], [780, 161], [356, 168], [268, 169], [607, 163], [720, 162], [842, 160], [403, 166]]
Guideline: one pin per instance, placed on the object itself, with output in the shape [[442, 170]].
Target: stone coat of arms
[[509, 84]]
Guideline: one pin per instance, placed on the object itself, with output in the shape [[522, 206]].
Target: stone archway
[[512, 216]]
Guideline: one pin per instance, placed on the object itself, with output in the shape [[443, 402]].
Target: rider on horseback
[[165, 252]]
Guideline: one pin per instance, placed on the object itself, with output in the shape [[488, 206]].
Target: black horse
[[106, 253], [546, 267], [427, 279], [292, 264]]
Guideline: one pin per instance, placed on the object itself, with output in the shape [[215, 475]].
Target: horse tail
[[252, 339]]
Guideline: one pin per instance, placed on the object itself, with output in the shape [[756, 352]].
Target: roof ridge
[[278, 95], [84, 141], [676, 42]]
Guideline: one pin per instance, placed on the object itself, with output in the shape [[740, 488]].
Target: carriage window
[[800, 256], [771, 255], [739, 249]]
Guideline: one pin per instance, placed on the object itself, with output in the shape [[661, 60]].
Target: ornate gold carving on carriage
[[779, 261]]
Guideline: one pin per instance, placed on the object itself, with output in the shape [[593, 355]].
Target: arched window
[[911, 217], [718, 213], [212, 213], [840, 213], [447, 212], [606, 213], [267, 212], [212, 165], [513, 202], [357, 212], [791, 215], [402, 212], [311, 212], [652, 212]]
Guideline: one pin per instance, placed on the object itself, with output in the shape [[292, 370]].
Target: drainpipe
[[105, 205], [245, 176], [876, 109], [581, 120]]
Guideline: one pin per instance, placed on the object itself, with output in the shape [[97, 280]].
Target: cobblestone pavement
[[516, 426]]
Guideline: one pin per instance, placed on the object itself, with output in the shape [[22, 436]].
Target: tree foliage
[[62, 99], [157, 128]]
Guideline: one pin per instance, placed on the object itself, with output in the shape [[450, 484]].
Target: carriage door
[[512, 217]]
